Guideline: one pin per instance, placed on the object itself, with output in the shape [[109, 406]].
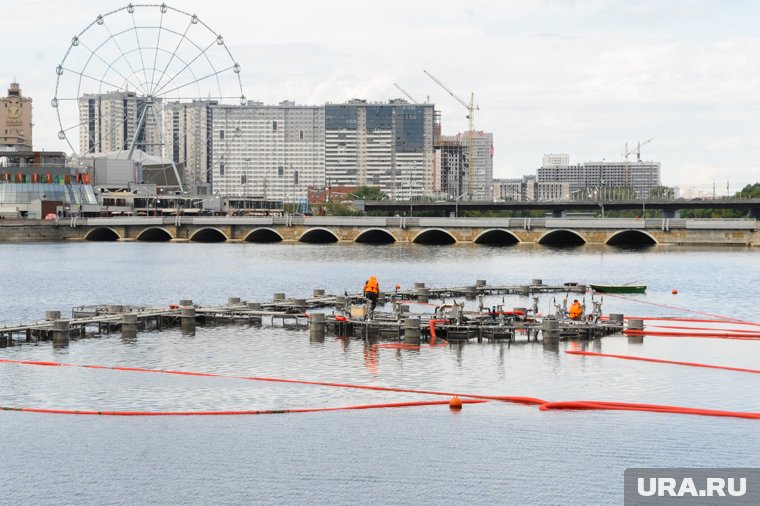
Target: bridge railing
[[406, 222]]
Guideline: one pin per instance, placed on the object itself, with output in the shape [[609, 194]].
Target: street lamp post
[[456, 204]]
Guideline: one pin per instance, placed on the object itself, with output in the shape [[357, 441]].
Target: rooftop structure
[[15, 120]]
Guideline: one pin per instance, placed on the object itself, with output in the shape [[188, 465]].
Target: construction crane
[[471, 108], [405, 93], [638, 149], [626, 168]]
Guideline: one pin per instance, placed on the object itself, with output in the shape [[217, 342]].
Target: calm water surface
[[488, 453]]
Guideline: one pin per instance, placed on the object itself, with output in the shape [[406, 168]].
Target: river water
[[487, 453]]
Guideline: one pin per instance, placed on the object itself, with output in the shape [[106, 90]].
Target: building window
[[274, 126], [300, 135], [221, 134], [280, 170], [221, 168]]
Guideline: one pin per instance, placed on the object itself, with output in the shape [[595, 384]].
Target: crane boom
[[468, 106], [626, 168], [471, 108], [638, 149], [405, 93]]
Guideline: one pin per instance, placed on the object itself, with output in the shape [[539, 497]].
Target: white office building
[[271, 152]]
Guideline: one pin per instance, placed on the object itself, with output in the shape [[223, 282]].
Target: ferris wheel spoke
[[174, 54], [203, 51], [87, 76], [110, 66], [124, 56], [117, 123], [186, 71], [209, 76], [140, 50], [155, 55]]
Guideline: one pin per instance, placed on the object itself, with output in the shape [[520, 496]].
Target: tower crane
[[626, 168], [471, 108], [638, 149], [405, 93]]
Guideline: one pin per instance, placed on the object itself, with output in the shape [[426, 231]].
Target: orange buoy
[[455, 403], [674, 291]]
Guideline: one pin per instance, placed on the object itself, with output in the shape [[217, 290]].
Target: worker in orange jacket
[[576, 310], [372, 291]]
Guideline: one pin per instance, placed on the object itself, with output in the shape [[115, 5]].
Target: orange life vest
[[575, 310], [371, 285]]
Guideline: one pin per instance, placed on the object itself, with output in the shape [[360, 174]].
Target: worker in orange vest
[[372, 291], [576, 310]]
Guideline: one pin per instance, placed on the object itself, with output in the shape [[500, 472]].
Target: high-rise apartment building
[[482, 164], [187, 130], [450, 176], [108, 122], [638, 176], [15, 120], [273, 152], [473, 180], [387, 145]]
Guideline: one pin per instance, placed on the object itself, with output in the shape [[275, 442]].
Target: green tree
[[751, 191], [368, 193], [662, 192]]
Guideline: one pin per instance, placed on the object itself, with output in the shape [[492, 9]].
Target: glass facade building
[[387, 145]]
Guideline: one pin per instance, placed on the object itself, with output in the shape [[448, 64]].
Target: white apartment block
[[108, 122], [528, 189], [187, 130], [639, 176], [387, 145], [555, 160], [509, 189], [272, 152]]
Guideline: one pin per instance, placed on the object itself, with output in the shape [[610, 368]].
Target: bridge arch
[[102, 234], [375, 236], [319, 235], [208, 234], [562, 238], [497, 237], [263, 235], [155, 234], [631, 239], [434, 236]]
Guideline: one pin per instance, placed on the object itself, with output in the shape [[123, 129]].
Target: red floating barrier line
[[521, 400], [232, 412], [713, 335], [668, 306], [661, 361], [703, 329], [469, 399], [656, 408], [690, 320]]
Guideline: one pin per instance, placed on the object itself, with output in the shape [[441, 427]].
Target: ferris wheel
[[125, 72]]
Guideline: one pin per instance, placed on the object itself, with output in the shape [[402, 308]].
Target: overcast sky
[[549, 76]]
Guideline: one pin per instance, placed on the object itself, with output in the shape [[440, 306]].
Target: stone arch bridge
[[560, 232]]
